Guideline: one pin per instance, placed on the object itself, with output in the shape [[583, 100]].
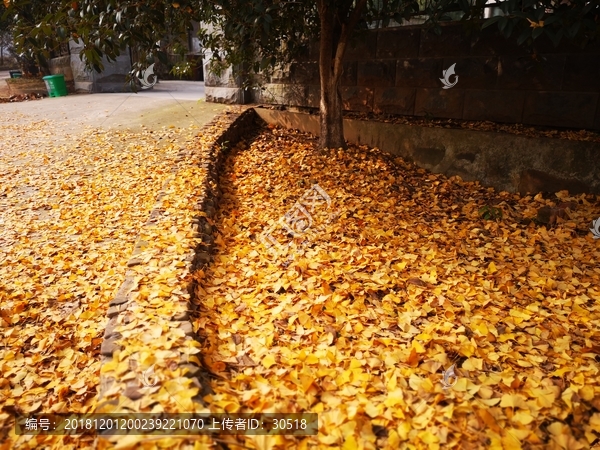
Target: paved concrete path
[[177, 103]]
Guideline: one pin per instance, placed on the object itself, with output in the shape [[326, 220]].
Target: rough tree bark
[[336, 26]]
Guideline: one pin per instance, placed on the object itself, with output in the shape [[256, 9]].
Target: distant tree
[[33, 33], [5, 35]]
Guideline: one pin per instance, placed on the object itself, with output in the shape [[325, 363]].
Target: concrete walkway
[[177, 103]]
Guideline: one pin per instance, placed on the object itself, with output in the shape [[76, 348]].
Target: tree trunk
[[337, 23], [330, 106], [331, 115]]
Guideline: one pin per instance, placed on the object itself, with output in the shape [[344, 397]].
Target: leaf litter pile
[[70, 216], [21, 98], [402, 279]]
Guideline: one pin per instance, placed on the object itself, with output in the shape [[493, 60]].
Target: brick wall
[[398, 71]]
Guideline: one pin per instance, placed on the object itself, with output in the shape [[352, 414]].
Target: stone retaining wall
[[504, 161], [398, 71], [17, 86]]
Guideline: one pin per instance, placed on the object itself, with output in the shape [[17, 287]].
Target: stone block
[[474, 73], [497, 106], [447, 103], [544, 45], [114, 75], [187, 328], [204, 226], [181, 316], [210, 211], [349, 77], [376, 73], [83, 77], [398, 43], [361, 45], [282, 74], [17, 86], [133, 391], [304, 54], [134, 262], [313, 53], [304, 73], [84, 86], [419, 72], [523, 72], [225, 79], [207, 239], [115, 310], [582, 74], [109, 330], [202, 258], [429, 157], [467, 156], [491, 42], [227, 95], [560, 109], [535, 181], [452, 42], [61, 65], [357, 98], [314, 96], [120, 299], [109, 346], [285, 94], [394, 100]]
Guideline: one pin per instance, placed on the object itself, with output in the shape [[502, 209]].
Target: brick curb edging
[[124, 306]]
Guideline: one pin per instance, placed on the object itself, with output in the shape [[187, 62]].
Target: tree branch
[[355, 16], [347, 29]]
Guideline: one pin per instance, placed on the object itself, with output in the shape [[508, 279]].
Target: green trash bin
[[56, 85]]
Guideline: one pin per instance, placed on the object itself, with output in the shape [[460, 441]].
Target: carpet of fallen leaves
[[405, 282], [21, 98], [70, 216]]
